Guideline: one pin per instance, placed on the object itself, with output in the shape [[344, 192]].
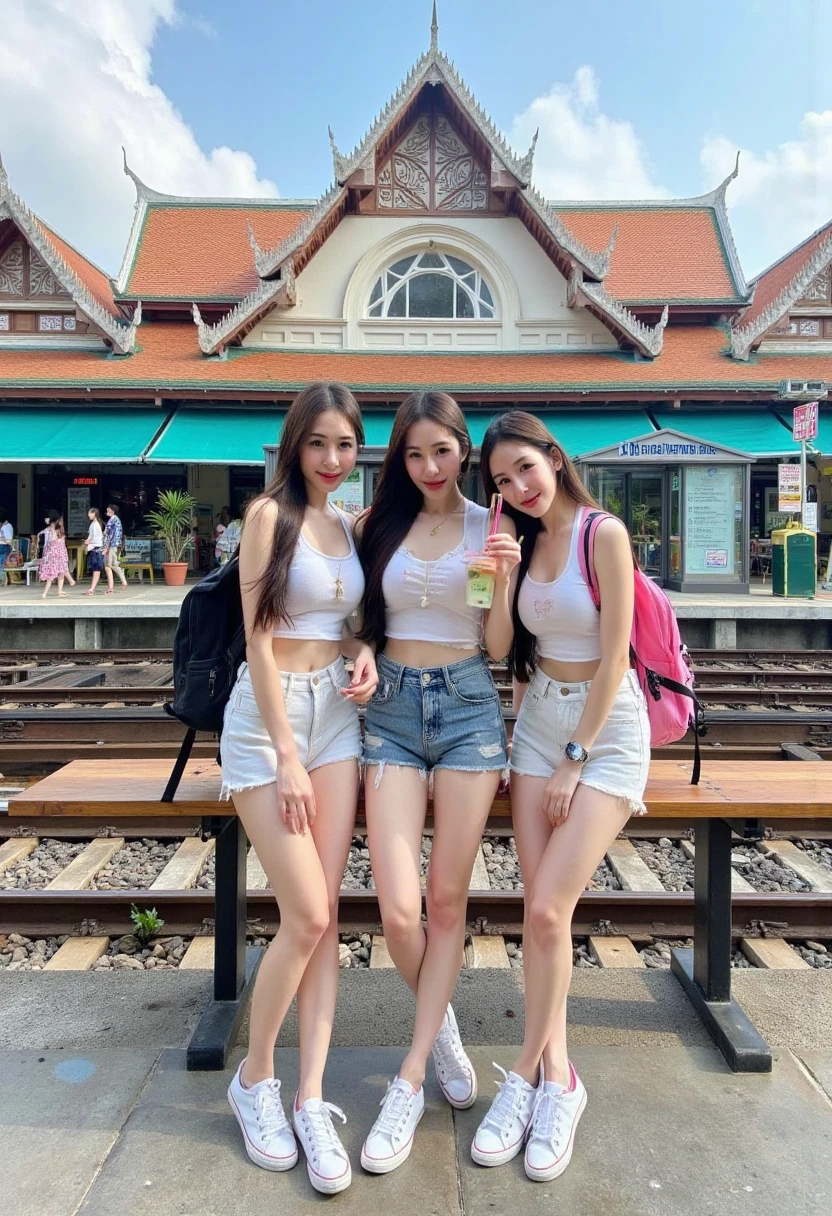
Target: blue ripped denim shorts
[[435, 717]]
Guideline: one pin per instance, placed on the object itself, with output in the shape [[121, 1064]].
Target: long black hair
[[288, 489], [519, 427], [397, 501]]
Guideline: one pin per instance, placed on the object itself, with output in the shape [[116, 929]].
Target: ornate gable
[[432, 170]]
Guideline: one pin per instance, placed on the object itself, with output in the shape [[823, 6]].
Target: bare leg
[[297, 878], [108, 570], [46, 588], [461, 805], [60, 586], [336, 799], [396, 810], [553, 879], [96, 575]]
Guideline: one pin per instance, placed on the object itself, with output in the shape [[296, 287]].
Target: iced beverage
[[479, 585]]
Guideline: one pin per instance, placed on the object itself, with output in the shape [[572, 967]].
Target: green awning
[[823, 442], [377, 427], [84, 433], [758, 431], [217, 436]]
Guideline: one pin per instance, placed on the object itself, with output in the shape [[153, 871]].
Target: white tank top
[[425, 601], [322, 591], [561, 614]]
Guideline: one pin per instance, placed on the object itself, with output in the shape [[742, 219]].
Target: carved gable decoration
[[818, 291], [11, 270], [42, 282], [25, 275], [433, 170]]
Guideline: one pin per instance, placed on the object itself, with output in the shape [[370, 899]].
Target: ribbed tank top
[[322, 591], [561, 614]]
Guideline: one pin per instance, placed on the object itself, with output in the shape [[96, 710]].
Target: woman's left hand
[[364, 678], [506, 552], [558, 791]]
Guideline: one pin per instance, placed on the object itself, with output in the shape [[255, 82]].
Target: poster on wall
[[709, 514], [810, 516], [788, 479], [350, 494], [77, 509]]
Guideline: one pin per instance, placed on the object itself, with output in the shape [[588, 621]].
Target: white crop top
[[561, 614], [322, 591], [425, 601]]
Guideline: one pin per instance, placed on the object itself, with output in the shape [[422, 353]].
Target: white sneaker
[[327, 1162], [269, 1140], [501, 1134], [454, 1071], [391, 1136], [552, 1132]]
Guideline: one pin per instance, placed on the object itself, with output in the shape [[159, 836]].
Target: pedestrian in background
[[54, 563], [113, 540], [95, 552], [6, 538]]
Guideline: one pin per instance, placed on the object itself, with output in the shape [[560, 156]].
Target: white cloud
[[76, 83], [781, 195], [582, 153]]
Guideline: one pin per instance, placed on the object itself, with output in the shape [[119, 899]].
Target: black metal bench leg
[[234, 966], [705, 971]]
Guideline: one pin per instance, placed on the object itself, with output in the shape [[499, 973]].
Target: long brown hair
[[398, 500], [288, 489], [57, 521], [519, 427]]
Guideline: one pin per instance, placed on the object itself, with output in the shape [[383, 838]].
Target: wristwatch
[[573, 751]]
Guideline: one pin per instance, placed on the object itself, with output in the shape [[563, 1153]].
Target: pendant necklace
[[339, 586], [433, 531]]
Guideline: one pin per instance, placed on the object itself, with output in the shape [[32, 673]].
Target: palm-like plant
[[173, 521]]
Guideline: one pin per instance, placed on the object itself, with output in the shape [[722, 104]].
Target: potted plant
[[173, 521]]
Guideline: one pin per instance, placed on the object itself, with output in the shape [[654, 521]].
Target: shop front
[[686, 504]]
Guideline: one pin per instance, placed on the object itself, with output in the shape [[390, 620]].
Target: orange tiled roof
[[202, 252], [168, 359], [662, 254], [95, 280], [777, 278]]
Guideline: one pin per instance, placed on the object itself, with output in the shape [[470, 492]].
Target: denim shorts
[[324, 725], [435, 717], [619, 759]]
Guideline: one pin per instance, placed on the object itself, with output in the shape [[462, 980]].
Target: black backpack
[[208, 646]]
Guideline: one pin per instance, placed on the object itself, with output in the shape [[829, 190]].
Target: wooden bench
[[732, 796], [138, 568]]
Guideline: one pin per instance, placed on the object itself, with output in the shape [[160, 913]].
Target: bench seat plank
[[728, 788]]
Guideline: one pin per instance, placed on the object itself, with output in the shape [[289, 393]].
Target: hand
[[364, 678], [295, 796], [558, 791], [506, 551]]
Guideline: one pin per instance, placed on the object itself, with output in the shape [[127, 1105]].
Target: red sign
[[805, 421], [85, 481]]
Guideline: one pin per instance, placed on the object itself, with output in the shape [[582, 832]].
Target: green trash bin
[[793, 561]]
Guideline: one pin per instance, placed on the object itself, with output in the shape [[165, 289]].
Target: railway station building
[[430, 261]]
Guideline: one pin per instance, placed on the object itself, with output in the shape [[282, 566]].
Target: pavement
[[93, 1081]]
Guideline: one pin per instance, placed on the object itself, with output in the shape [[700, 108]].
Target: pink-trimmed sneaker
[[327, 1162], [501, 1134], [552, 1131], [454, 1071], [269, 1140]]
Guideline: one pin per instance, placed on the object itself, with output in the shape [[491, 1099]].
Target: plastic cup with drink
[[482, 569]]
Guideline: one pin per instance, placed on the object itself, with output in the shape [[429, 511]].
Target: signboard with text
[[805, 425], [788, 497]]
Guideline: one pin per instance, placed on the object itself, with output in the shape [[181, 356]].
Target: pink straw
[[497, 513]]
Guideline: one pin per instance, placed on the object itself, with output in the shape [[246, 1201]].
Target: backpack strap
[[586, 551], [179, 766]]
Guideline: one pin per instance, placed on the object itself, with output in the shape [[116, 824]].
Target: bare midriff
[[413, 653], [303, 655], [568, 673]]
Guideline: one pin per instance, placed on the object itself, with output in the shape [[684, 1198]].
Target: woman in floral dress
[[55, 560]]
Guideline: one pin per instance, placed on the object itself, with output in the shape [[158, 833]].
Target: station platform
[[145, 616], [93, 1079]]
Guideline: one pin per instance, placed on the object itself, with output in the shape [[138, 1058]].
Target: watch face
[[575, 752]]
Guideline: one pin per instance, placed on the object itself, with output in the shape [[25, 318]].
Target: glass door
[[645, 520]]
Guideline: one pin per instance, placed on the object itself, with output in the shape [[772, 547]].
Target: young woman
[[113, 541], [434, 714], [55, 561], [579, 762], [95, 551], [290, 752], [6, 538]]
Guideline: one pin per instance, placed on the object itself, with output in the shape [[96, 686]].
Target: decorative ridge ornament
[[434, 30], [143, 192], [339, 164], [745, 337], [648, 338], [276, 292], [525, 165], [120, 333]]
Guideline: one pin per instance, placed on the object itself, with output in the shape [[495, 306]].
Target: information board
[[77, 510], [788, 484], [350, 494], [805, 421], [709, 519]]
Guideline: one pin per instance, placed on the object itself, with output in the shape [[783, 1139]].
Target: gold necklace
[[339, 586], [433, 531]]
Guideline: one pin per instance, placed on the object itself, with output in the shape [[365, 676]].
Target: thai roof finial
[[4, 178], [340, 164], [524, 167], [252, 240], [434, 30]]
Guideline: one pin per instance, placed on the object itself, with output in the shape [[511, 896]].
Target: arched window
[[431, 285]]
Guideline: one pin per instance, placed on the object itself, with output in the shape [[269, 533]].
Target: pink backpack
[[658, 653]]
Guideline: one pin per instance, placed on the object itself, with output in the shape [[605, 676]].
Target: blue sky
[[634, 99]]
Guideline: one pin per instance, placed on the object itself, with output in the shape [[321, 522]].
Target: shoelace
[[448, 1053], [320, 1124], [547, 1112], [268, 1110], [506, 1104], [394, 1107]]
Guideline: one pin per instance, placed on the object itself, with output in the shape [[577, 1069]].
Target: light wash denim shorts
[[324, 725], [435, 717], [619, 759]]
